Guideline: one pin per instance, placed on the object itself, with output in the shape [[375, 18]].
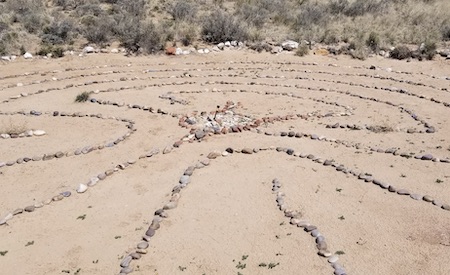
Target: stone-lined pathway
[[230, 119]]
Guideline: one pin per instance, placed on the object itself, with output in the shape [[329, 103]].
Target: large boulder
[[28, 55], [88, 49]]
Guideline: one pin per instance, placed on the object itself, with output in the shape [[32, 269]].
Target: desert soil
[[227, 220]]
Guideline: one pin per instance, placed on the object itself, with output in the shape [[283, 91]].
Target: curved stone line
[[390, 151], [390, 89], [60, 154], [427, 126], [81, 188], [185, 179]]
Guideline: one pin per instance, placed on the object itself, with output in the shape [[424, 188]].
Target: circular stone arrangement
[[316, 91]]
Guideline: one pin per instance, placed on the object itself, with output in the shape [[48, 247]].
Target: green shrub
[[400, 52], [220, 26], [82, 97]]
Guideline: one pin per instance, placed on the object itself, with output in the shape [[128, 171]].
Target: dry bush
[[220, 26], [152, 38], [58, 32], [98, 29], [183, 10], [302, 50], [401, 52]]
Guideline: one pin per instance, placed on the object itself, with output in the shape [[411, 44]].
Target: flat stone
[[185, 179], [333, 259], [247, 151], [428, 198], [324, 253], [150, 232], [58, 198], [322, 245], [416, 197], [214, 154], [315, 233], [141, 251], [29, 208], [142, 245], [392, 188], [427, 157], [66, 194], [303, 224], [59, 154], [403, 192], [126, 270], [170, 205], [437, 203], [310, 228], [446, 207], [135, 256], [126, 261], [17, 211]]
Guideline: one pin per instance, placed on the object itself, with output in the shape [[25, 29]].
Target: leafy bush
[[220, 26], [183, 10], [401, 52]]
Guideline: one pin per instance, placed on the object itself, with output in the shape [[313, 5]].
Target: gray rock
[[142, 245], [150, 232], [126, 261], [403, 192], [29, 208], [185, 179]]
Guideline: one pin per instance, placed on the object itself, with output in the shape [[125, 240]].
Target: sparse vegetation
[[81, 217], [3, 253], [29, 243], [372, 25], [82, 97], [439, 181]]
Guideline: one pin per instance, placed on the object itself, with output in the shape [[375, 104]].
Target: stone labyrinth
[[234, 163]]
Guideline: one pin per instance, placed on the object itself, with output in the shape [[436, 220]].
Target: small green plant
[[273, 265], [78, 271], [439, 181], [81, 217], [241, 265], [29, 243], [244, 257], [338, 189], [262, 265], [339, 252], [95, 262], [83, 97], [403, 175], [182, 268], [342, 217], [117, 237], [3, 253], [65, 271]]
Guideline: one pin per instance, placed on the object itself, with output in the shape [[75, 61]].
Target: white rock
[[216, 49], [234, 43], [186, 52], [5, 136], [114, 50], [178, 51], [289, 45], [6, 58], [201, 51], [93, 181], [82, 188], [29, 133], [221, 45], [276, 50], [13, 57], [6, 218], [39, 132], [227, 44], [206, 51], [19, 84], [241, 44], [28, 55], [88, 49]]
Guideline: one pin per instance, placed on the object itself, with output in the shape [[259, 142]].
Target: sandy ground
[[227, 220]]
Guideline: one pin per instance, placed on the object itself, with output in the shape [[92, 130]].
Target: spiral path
[[234, 163]]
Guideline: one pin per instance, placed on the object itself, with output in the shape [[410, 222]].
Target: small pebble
[[142, 245], [333, 259], [126, 261]]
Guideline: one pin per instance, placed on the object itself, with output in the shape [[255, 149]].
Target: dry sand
[[227, 220]]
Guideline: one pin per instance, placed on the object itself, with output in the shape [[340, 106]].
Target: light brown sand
[[228, 210]]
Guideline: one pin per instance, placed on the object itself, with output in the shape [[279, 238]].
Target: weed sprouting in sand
[[83, 97]]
